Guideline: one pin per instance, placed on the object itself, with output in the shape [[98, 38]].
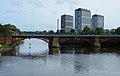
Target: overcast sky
[[43, 14]]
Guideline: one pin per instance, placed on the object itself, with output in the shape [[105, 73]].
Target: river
[[61, 62]]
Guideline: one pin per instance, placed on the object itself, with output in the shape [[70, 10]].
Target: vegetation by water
[[85, 31], [3, 46], [8, 29], [5, 49]]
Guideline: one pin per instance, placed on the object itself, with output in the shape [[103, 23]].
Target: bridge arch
[[77, 40], [111, 40], [15, 40]]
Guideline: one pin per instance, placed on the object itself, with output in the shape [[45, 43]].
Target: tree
[[72, 31], [113, 31], [51, 32], [62, 31], [58, 32], [117, 31], [44, 32], [8, 29], [107, 31], [86, 30], [99, 31]]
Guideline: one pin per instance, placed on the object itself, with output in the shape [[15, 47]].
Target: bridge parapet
[[55, 42]]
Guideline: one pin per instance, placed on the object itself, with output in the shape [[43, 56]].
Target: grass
[[3, 46]]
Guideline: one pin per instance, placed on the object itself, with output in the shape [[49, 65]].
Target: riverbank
[[5, 50], [9, 50]]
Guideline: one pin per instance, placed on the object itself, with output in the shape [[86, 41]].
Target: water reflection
[[80, 65], [87, 50], [90, 50], [54, 51], [0, 60], [84, 61], [37, 46]]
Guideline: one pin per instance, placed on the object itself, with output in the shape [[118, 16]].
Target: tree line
[[9, 29], [85, 31]]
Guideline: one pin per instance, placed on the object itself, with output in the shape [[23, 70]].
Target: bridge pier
[[54, 51], [54, 42], [96, 42]]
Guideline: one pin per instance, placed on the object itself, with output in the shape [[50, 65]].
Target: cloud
[[53, 12], [59, 2], [71, 3], [36, 27], [36, 3], [17, 2], [13, 11]]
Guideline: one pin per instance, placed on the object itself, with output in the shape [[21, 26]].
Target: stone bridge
[[56, 40]]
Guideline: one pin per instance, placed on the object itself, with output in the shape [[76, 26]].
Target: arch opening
[[111, 42], [33, 46], [75, 43]]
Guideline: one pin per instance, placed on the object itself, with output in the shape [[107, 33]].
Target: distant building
[[66, 22], [97, 21], [82, 19]]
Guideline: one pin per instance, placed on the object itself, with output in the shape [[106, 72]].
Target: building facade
[[66, 23], [97, 21], [82, 19]]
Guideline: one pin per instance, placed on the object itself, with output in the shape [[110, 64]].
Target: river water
[[61, 62]]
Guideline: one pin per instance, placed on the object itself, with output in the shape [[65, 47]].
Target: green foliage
[[99, 31], [58, 32], [107, 32], [3, 46], [117, 31], [8, 29], [62, 32], [50, 32], [86, 30], [72, 31]]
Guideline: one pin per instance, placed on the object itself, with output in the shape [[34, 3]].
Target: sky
[[39, 15]]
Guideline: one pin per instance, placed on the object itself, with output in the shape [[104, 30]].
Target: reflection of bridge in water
[[34, 55], [56, 40], [85, 50]]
